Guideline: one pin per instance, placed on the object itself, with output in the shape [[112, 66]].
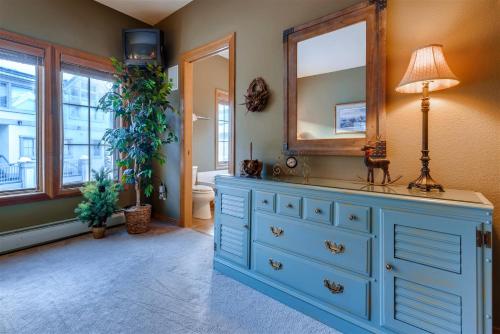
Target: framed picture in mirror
[[350, 118]]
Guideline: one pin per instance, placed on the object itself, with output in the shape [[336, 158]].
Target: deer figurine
[[372, 163]]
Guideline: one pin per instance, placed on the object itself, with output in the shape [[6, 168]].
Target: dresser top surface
[[460, 196]]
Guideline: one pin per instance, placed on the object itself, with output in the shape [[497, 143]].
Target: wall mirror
[[334, 81]]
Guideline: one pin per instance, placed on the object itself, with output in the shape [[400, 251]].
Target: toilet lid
[[199, 188]]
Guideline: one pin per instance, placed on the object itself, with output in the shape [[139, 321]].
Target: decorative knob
[[334, 247], [317, 211], [352, 217], [275, 264], [388, 267], [276, 231], [264, 201], [289, 205], [333, 287], [245, 226]]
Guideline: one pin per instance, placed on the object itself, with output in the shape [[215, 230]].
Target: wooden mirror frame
[[373, 12]]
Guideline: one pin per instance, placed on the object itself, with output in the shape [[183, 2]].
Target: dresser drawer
[[318, 210], [323, 243], [289, 205], [264, 201], [352, 217], [325, 284]]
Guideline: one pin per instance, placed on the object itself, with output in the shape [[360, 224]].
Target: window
[[21, 73], [222, 135], [83, 125], [26, 148]]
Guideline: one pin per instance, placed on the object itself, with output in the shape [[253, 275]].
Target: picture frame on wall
[[350, 117]]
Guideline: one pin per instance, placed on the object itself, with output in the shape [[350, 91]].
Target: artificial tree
[[139, 99], [100, 201]]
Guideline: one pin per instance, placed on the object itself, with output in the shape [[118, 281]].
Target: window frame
[[23, 44], [222, 96], [79, 58]]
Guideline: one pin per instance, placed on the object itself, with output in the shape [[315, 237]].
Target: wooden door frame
[[186, 103]]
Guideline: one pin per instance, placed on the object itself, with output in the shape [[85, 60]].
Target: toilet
[[202, 197]]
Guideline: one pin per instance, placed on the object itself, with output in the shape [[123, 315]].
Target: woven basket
[[138, 219]]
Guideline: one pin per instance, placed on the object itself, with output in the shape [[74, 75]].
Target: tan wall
[[465, 120], [81, 24], [209, 74]]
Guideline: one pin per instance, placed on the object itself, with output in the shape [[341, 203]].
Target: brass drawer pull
[[264, 201], [352, 217], [317, 211], [275, 264], [276, 231], [334, 247], [289, 205], [333, 287]]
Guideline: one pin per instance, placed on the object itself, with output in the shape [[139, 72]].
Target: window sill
[[22, 198]]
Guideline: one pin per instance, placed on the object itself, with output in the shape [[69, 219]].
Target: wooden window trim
[[49, 136], [79, 58], [34, 47], [220, 95]]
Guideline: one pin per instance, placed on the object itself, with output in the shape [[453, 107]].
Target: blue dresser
[[362, 259]]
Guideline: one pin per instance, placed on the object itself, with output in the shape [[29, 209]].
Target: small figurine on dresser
[[376, 157], [250, 167]]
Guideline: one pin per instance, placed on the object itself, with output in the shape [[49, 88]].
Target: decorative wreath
[[257, 95]]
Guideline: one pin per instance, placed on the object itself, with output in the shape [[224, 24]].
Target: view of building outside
[[84, 127], [18, 125]]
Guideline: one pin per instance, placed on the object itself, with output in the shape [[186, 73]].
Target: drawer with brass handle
[[289, 205], [264, 201], [318, 241], [352, 217], [331, 287], [318, 210]]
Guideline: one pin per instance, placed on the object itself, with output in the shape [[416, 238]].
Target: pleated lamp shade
[[427, 64]]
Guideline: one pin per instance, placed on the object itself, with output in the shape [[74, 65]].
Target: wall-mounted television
[[143, 46]]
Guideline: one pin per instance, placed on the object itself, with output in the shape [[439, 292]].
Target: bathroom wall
[[81, 24], [209, 74], [464, 120]]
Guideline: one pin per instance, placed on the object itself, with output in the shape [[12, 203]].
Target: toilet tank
[[195, 173]]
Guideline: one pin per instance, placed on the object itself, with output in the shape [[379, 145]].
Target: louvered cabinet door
[[232, 225], [429, 274]]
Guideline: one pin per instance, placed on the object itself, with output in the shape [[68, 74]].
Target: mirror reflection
[[331, 84]]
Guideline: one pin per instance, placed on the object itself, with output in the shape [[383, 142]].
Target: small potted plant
[[99, 203], [139, 100]]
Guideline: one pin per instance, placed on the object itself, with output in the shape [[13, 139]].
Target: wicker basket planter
[[138, 219], [99, 232]]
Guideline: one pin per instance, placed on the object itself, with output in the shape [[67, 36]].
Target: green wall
[[81, 24], [464, 120]]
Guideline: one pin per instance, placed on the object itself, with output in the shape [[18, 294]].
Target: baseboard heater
[[41, 234]]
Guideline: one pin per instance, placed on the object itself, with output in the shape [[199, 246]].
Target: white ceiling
[[149, 11], [334, 51]]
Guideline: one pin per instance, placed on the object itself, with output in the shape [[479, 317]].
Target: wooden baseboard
[[165, 218]]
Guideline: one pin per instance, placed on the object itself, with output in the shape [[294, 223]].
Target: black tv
[[143, 46]]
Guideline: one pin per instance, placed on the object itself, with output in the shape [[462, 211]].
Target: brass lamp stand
[[425, 182], [427, 71]]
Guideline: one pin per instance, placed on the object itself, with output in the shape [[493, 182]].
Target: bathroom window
[[222, 132]]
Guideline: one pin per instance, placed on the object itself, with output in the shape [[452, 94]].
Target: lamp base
[[425, 183]]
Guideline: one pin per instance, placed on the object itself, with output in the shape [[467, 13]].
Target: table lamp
[[427, 71]]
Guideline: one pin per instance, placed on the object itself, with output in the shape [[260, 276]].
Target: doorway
[[220, 115]]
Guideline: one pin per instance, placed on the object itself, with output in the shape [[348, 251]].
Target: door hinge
[[483, 239], [215, 246]]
